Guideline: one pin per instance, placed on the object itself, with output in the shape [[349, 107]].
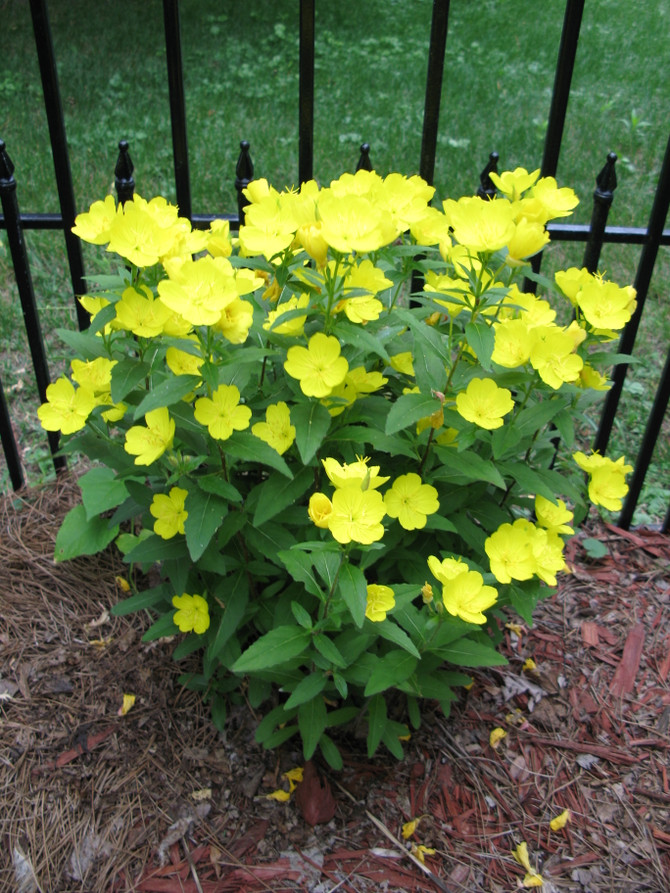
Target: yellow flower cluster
[[357, 508]]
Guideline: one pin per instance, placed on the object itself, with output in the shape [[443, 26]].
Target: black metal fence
[[593, 235]]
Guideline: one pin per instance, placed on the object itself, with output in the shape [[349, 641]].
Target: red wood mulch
[[157, 800]]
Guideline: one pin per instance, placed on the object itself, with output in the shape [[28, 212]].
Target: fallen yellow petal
[[128, 702], [202, 794], [281, 796], [294, 777], [123, 584], [514, 628], [409, 828], [529, 664], [533, 880], [560, 821], [422, 851], [521, 855], [496, 737]]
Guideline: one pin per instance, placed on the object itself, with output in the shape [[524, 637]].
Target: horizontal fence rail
[[594, 235]]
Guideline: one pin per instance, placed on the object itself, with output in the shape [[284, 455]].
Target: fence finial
[[244, 174], [123, 174], [364, 163], [6, 164], [486, 188], [606, 181]]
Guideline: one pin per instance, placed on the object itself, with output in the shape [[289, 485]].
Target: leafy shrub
[[345, 482]]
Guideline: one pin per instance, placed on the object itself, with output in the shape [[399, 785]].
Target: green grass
[[241, 80]]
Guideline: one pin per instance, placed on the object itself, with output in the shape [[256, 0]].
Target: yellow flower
[[276, 430], [484, 403], [605, 305], [357, 474], [410, 501], [361, 309], [94, 375], [353, 223], [367, 277], [481, 226], [144, 232], [529, 238], [294, 326], [427, 593], [318, 367], [552, 355], [556, 202], [222, 414], [547, 549], [310, 238], [149, 443], [514, 183], [181, 362], [192, 613], [512, 343], [553, 516], [66, 409], [140, 313], [560, 821], [607, 483], [235, 321], [510, 552], [93, 226], [403, 362], [467, 597], [380, 600], [496, 737], [572, 281], [357, 516], [168, 509], [320, 509], [198, 290], [591, 378], [218, 239]]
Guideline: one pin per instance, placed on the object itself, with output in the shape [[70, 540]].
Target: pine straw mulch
[[157, 800]]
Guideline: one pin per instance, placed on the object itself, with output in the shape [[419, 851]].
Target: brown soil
[[158, 800]]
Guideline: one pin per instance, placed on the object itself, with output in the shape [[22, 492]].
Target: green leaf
[[532, 481], [126, 375], [270, 721], [311, 722], [245, 446], [219, 712], [275, 647], [535, 418], [301, 615], [150, 598], [459, 468], [235, 596], [299, 566], [84, 344], [376, 723], [330, 752], [393, 668], [413, 712], [215, 483], [101, 490], [277, 492], [163, 627], [311, 421], [205, 514], [155, 548], [480, 336], [329, 650], [408, 409], [267, 541], [353, 589], [392, 633], [594, 548], [309, 687], [166, 393], [466, 653], [79, 536], [525, 596], [429, 358], [327, 564]]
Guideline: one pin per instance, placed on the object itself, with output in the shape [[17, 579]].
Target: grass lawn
[[241, 64]]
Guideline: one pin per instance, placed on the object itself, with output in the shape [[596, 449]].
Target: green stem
[[425, 455]]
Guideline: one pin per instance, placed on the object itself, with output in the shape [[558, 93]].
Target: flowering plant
[[346, 483]]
